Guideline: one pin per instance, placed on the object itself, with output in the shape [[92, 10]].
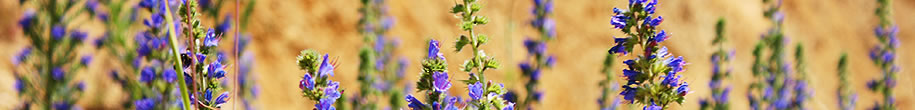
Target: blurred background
[[282, 28]]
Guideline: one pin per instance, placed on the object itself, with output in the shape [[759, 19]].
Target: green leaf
[[461, 42], [457, 9], [480, 20]]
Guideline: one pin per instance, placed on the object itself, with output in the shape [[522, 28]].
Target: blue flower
[[326, 69], [307, 82], [92, 6], [619, 21], [147, 3], [671, 79], [144, 104], [58, 32], [147, 74], [20, 86], [57, 73], [216, 70], [630, 74], [325, 104], [629, 92], [660, 37], [683, 89], [210, 40], [651, 6], [85, 60], [441, 81], [509, 106], [476, 91], [224, 27], [222, 98], [620, 47], [676, 64], [23, 55], [434, 51], [550, 61], [155, 21], [653, 106], [414, 103], [534, 47], [169, 75], [331, 90], [27, 20], [509, 96], [81, 86], [63, 106]]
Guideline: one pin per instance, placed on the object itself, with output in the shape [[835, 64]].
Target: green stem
[[173, 40]]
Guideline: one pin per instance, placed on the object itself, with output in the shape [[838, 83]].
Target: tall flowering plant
[[884, 56], [379, 72], [777, 86], [847, 97], [483, 94], [651, 78], [537, 58], [44, 70], [434, 83], [315, 84], [719, 59]]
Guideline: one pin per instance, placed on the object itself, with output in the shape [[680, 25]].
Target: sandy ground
[[282, 28]]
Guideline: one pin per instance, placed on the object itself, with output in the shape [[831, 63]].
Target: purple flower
[[216, 70], [509, 106], [683, 89], [676, 64], [509, 96], [671, 79], [476, 91], [23, 55], [58, 32], [325, 104], [169, 75], [224, 27], [57, 73], [331, 90], [222, 98], [326, 68], [723, 97], [629, 92], [620, 47], [20, 86], [155, 21], [92, 6], [441, 81], [651, 6], [85, 60], [27, 20], [147, 74], [534, 47], [619, 21], [210, 39], [147, 3], [414, 103], [63, 106], [550, 61], [661, 36], [307, 82], [630, 74], [434, 51], [653, 106]]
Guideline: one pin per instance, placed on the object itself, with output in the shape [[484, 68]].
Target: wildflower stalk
[[173, 40], [884, 56], [847, 96], [719, 98]]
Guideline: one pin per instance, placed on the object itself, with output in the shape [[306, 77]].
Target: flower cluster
[[884, 56], [777, 86], [655, 65], [434, 83], [719, 98], [378, 71], [847, 97], [484, 93], [45, 71], [536, 48], [608, 85], [316, 84]]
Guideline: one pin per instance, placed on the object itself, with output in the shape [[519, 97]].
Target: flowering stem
[[173, 40]]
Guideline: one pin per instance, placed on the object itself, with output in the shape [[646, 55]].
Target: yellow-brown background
[[281, 28]]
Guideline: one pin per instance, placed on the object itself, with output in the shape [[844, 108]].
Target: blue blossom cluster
[[379, 72], [608, 86], [484, 93], [248, 89], [434, 83], [655, 65], [719, 59], [316, 84], [45, 70], [778, 86], [537, 58], [847, 97], [884, 57]]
